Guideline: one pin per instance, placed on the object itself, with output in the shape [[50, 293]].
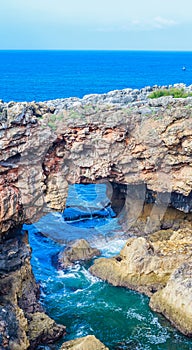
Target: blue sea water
[[119, 317], [44, 75]]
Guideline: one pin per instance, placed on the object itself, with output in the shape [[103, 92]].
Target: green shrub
[[176, 93]]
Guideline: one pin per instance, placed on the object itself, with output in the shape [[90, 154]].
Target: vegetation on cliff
[[174, 92]]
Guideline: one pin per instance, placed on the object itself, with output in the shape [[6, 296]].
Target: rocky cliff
[[23, 324], [45, 148], [141, 148]]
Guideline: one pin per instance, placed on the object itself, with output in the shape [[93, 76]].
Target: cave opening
[[100, 213]]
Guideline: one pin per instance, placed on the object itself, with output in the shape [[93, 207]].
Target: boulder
[[90, 342], [145, 264], [42, 329], [175, 300], [80, 250]]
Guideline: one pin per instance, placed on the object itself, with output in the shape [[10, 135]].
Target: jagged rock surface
[[19, 299], [122, 137], [90, 342], [43, 330], [78, 251], [145, 264], [175, 300], [160, 266], [44, 148]]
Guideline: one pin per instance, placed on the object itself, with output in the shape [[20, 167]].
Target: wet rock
[[13, 253], [175, 300], [145, 264], [13, 328], [90, 342], [78, 251], [19, 298], [43, 330]]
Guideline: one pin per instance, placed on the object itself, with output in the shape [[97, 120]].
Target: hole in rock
[[75, 298]]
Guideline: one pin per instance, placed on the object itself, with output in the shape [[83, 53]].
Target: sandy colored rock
[[80, 250], [145, 264], [175, 300], [90, 342]]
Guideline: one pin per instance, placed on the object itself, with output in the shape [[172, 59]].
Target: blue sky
[[101, 24]]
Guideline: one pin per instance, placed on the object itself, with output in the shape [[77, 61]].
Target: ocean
[[45, 75], [119, 317]]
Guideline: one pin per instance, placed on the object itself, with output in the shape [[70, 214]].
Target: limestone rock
[[175, 300], [78, 251], [46, 146], [121, 136], [13, 328], [43, 330], [145, 264], [20, 310], [90, 342]]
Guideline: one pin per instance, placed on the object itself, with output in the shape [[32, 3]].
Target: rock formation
[[160, 266], [145, 264], [175, 300], [22, 320], [80, 250], [121, 138], [86, 343], [42, 152]]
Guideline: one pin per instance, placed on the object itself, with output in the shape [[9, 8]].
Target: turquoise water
[[119, 317], [44, 75]]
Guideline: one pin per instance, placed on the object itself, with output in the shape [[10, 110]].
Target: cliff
[[141, 148], [44, 148]]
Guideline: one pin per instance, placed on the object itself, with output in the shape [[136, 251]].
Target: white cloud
[[161, 23], [139, 25]]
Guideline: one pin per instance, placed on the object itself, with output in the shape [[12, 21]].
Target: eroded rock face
[[90, 342], [175, 300], [13, 328], [43, 330], [160, 266], [78, 251], [23, 147], [19, 299], [145, 264], [142, 211], [45, 147]]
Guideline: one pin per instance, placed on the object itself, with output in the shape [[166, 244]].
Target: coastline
[[124, 97], [121, 137]]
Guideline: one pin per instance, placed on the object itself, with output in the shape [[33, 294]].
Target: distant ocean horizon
[[40, 75]]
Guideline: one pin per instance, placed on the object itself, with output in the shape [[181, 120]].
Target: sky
[[96, 24]]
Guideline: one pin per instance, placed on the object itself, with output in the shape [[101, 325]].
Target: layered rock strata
[[23, 323], [42, 152], [175, 300], [121, 138], [145, 264], [160, 266]]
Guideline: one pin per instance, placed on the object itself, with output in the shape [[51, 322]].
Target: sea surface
[[119, 317], [45, 75]]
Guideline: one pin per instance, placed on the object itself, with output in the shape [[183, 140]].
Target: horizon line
[[127, 50]]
